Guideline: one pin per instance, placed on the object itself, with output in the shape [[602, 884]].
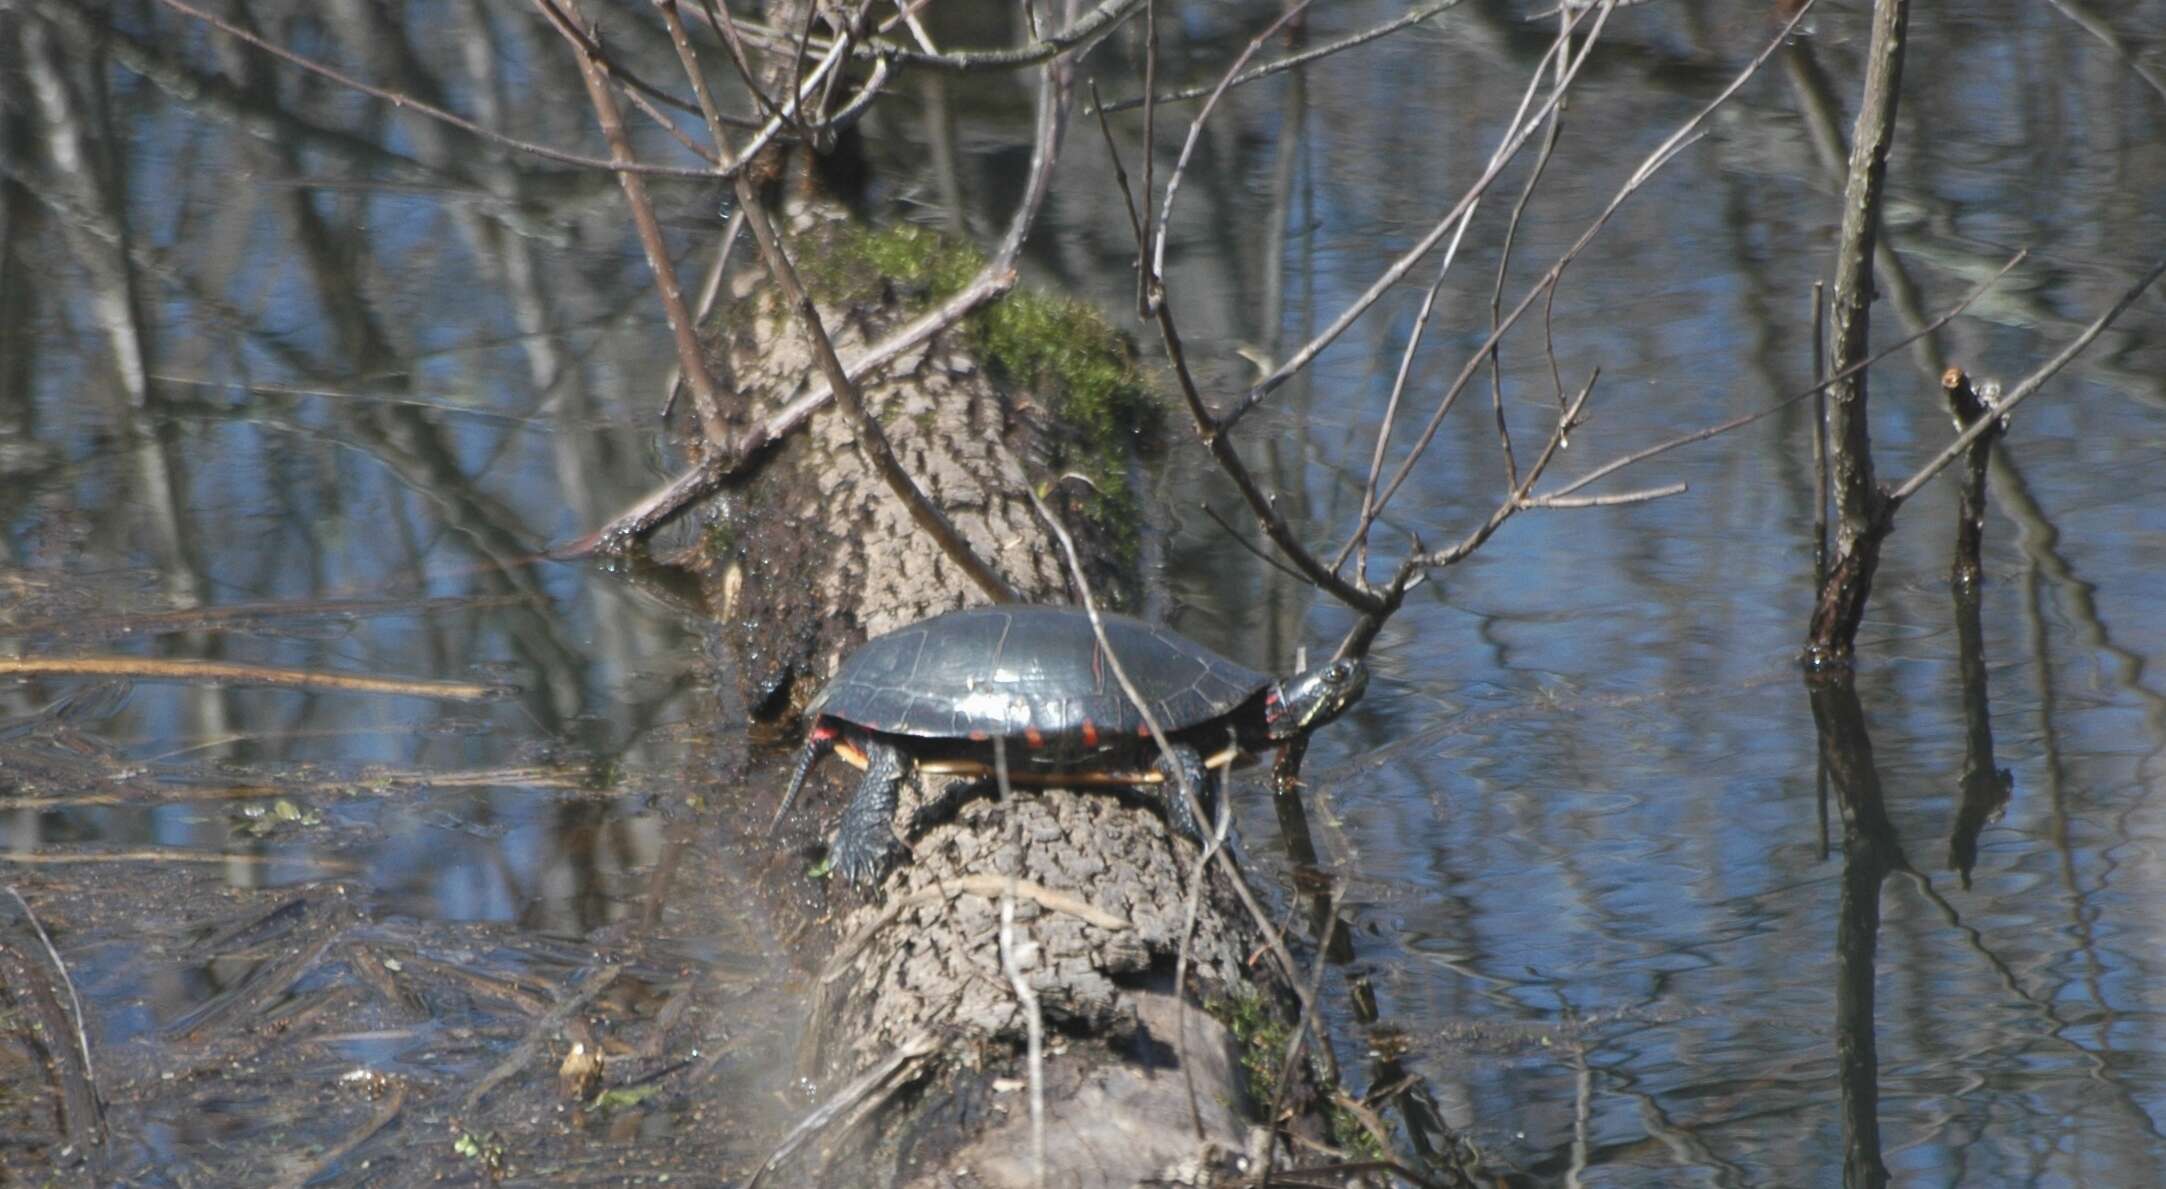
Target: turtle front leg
[[1185, 760], [867, 837]]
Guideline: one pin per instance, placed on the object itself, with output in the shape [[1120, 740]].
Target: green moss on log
[[1063, 352]]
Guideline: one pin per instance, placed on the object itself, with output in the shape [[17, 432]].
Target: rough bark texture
[[944, 956], [810, 557]]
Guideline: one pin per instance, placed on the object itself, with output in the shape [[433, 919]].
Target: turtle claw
[[859, 860], [866, 841]]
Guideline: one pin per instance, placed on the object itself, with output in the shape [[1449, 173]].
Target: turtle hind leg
[[1185, 760], [867, 838]]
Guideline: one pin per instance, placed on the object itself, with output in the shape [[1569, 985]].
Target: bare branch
[[89, 1085], [896, 1070], [1736, 423], [1245, 543], [1214, 437], [1428, 305], [400, 100], [691, 359], [1281, 65], [1606, 501], [2028, 386], [1307, 1020], [1399, 268], [1188, 149], [1092, 25], [1120, 178], [689, 59], [1566, 422], [637, 89], [719, 17], [1663, 153]]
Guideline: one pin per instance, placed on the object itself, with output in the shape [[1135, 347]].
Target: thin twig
[[1612, 500], [871, 439], [691, 356], [75, 1002], [223, 858], [1120, 179], [1685, 135], [1093, 25], [1188, 149], [1245, 543], [537, 1036], [407, 102], [667, 502], [1518, 498], [1285, 1082], [998, 276], [1820, 435], [385, 1114], [634, 90], [2028, 386], [1147, 291], [1183, 789], [1289, 62], [1214, 846], [891, 1074], [1506, 144], [1012, 958], [1737, 423], [719, 17], [1392, 275], [1214, 432], [143, 668]]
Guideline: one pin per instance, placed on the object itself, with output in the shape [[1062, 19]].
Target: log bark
[[814, 554]]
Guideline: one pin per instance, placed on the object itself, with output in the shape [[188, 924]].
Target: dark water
[[1593, 883]]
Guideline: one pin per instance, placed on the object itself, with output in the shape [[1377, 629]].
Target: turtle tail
[[817, 741]]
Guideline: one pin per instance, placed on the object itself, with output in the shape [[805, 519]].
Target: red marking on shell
[[1090, 733], [1033, 736], [978, 736], [1144, 731], [825, 732]]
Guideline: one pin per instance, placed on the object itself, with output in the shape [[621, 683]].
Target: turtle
[[941, 694]]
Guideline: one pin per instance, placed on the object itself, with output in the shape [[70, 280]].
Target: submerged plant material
[[276, 968]]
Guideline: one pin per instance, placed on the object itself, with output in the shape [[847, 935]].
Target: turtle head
[[1300, 704]]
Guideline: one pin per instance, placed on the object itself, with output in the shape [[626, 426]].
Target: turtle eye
[[1338, 673]]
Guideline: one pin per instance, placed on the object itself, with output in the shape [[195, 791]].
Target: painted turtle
[[939, 693]]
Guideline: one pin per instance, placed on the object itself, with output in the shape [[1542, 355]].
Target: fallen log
[[916, 1031]]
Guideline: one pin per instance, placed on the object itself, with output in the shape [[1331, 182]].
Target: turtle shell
[[1033, 675]]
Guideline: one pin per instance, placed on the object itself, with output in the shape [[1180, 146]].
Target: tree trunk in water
[[1860, 514]]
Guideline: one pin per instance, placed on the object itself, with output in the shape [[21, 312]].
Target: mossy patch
[[1063, 352], [1263, 1034]]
